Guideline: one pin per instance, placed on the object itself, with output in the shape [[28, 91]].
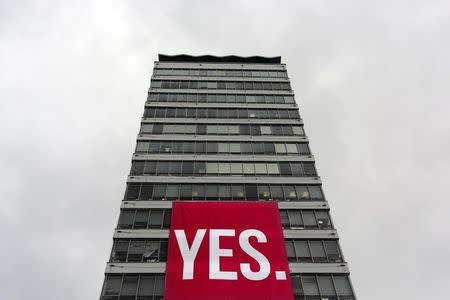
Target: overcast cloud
[[371, 80]]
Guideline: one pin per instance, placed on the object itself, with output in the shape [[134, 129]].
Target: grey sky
[[371, 79]]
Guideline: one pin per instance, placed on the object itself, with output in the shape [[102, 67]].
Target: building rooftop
[[220, 59]]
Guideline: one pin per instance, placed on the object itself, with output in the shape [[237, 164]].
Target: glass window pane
[[297, 130], [212, 147], [246, 148], [135, 251], [302, 249], [224, 192], [146, 191], [132, 191], [263, 192], [290, 251], [309, 219], [273, 169], [151, 251], [201, 129], [142, 146], [238, 192], [302, 192], [224, 168], [120, 251], [200, 168], [137, 167], [277, 192], [251, 192], [141, 219], [236, 168], [297, 169], [126, 219], [198, 192], [317, 250], [289, 193], [172, 191], [310, 285], [303, 149], [166, 147], [200, 147], [323, 219], [269, 148], [156, 217], [249, 169], [212, 168], [175, 168], [295, 218], [190, 129], [280, 148], [159, 192], [316, 193], [285, 169], [296, 286], [284, 219], [154, 147], [343, 286], [159, 286], [224, 147], [188, 168], [258, 148], [150, 167], [186, 192], [332, 249], [212, 192], [146, 285], [261, 168], [326, 286], [309, 169], [235, 148], [211, 129], [112, 285], [161, 168], [233, 129], [291, 149], [188, 147]]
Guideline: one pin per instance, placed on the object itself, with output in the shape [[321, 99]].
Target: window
[[343, 287], [141, 219], [309, 219], [112, 285], [310, 287], [237, 192], [302, 250], [251, 192], [126, 219], [326, 286]]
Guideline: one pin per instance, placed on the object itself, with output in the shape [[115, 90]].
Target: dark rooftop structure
[[220, 59]]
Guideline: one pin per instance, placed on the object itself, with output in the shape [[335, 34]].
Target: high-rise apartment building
[[223, 129]]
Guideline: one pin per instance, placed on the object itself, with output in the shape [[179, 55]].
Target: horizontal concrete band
[[281, 204], [164, 234], [160, 268], [292, 106], [213, 91], [219, 66], [224, 157], [220, 78], [225, 179], [226, 138], [223, 121]]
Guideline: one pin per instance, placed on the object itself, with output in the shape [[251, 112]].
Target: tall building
[[223, 128]]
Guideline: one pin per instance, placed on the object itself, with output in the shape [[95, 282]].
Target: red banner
[[226, 250]]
